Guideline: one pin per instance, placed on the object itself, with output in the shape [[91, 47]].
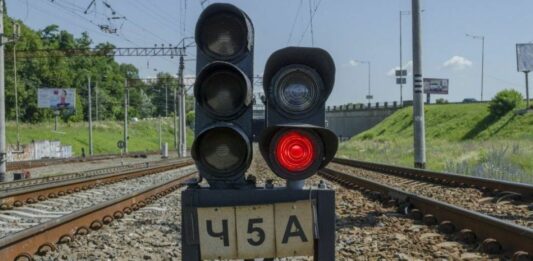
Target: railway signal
[[297, 82], [222, 147], [225, 220]]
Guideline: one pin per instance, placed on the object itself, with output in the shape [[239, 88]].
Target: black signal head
[[224, 32]]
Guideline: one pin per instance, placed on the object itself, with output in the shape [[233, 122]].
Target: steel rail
[[496, 235], [42, 192], [25, 183], [525, 190], [44, 237], [28, 164]]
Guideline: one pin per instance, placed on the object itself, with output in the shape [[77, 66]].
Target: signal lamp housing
[[296, 152], [224, 32], [222, 152], [223, 90], [298, 81]]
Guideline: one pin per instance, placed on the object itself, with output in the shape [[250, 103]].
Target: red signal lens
[[295, 151]]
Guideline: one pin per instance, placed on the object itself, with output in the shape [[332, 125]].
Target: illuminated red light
[[295, 151]]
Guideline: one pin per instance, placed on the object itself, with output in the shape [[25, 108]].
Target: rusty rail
[[44, 237], [524, 190], [42, 192], [497, 236], [25, 183], [28, 164]]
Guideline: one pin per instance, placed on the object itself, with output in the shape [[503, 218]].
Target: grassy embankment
[[144, 135], [460, 138]]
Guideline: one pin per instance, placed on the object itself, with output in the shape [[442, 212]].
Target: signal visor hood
[[316, 58]]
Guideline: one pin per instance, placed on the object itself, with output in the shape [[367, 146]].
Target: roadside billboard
[[56, 98], [524, 57], [435, 86]]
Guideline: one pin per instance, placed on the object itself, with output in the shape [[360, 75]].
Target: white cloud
[[457, 63], [407, 66]]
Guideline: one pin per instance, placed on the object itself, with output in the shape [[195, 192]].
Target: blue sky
[[348, 29]]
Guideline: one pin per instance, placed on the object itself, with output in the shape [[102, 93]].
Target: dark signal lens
[[224, 35], [295, 151], [224, 93], [223, 90], [297, 89], [222, 150]]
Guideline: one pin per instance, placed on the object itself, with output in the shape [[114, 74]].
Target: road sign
[[120, 144], [435, 86], [524, 57], [401, 80], [369, 97], [56, 98], [399, 73]]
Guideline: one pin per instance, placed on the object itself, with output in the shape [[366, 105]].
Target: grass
[[144, 135], [460, 138]]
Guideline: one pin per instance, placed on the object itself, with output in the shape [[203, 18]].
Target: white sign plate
[[247, 232], [436, 86], [56, 98], [217, 232], [524, 57]]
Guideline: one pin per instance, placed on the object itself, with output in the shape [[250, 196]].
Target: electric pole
[[182, 140], [482, 38], [3, 151], [16, 88], [418, 96], [166, 101], [96, 99], [126, 94], [160, 136], [90, 116], [176, 119]]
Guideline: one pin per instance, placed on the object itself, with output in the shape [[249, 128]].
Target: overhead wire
[[312, 15], [295, 19]]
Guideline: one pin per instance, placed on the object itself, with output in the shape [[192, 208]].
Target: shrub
[[505, 101], [441, 101], [190, 119]]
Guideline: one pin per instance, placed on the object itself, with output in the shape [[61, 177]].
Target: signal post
[[232, 217]]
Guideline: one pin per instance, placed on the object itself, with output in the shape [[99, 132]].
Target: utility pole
[[3, 145], [401, 56], [176, 119], [182, 140], [126, 98], [418, 96], [160, 137], [166, 101], [369, 95], [527, 89], [16, 91], [96, 99], [482, 38], [90, 116]]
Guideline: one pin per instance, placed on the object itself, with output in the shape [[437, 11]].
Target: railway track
[[426, 196], [37, 228], [26, 183], [28, 164], [16, 194]]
